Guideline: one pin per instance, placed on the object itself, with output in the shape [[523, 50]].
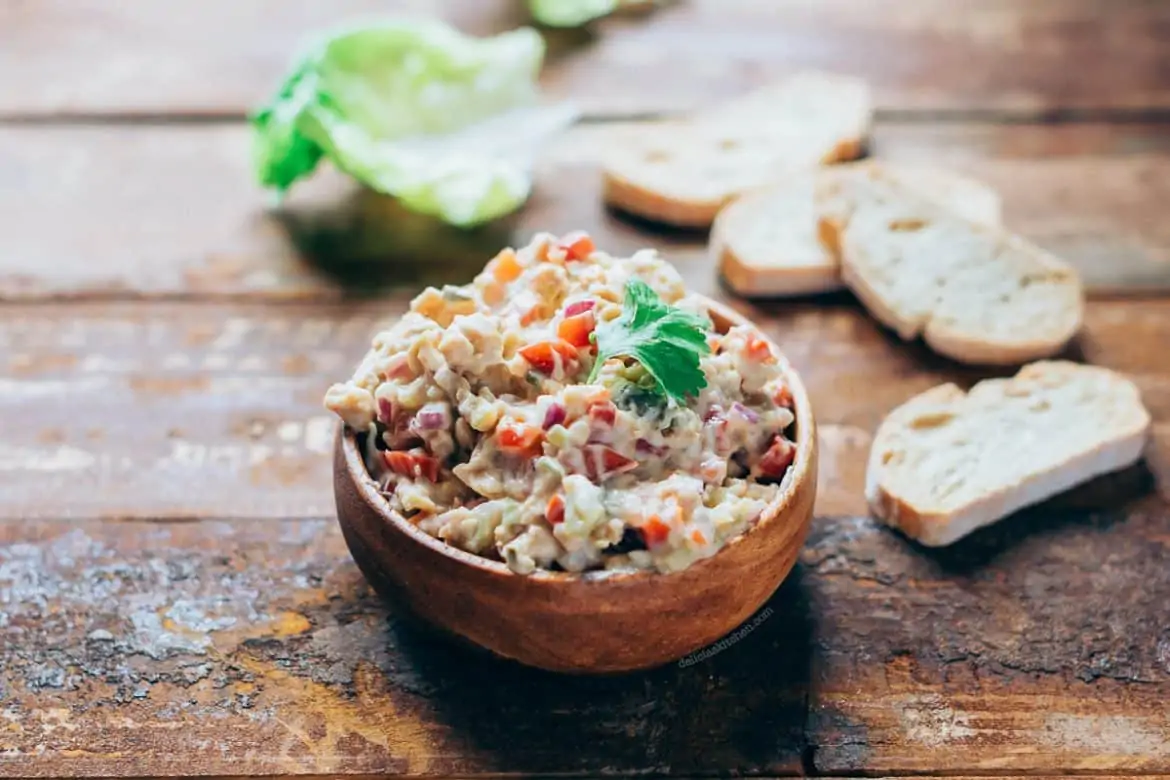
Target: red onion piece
[[646, 448], [580, 307], [554, 416], [744, 412], [432, 417]]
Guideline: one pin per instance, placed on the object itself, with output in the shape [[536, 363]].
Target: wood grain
[[244, 648], [171, 212], [180, 411], [220, 58]]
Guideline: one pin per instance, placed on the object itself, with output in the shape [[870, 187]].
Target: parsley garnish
[[666, 340]]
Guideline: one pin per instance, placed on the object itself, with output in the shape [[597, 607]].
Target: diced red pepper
[[783, 397], [602, 462], [543, 356], [555, 511], [760, 350], [603, 413], [580, 307], [777, 459], [522, 440], [577, 246], [413, 465], [654, 531], [577, 329]]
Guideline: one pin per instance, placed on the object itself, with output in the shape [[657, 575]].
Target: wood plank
[[178, 411], [245, 648], [216, 57], [242, 649], [170, 212], [1037, 646]]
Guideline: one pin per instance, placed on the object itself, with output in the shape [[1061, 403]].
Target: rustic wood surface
[[218, 57], [175, 596], [1094, 193]]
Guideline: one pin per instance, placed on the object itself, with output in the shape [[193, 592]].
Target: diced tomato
[[413, 464], [580, 307], [603, 412], [577, 246], [602, 462], [654, 531], [777, 459], [544, 356], [577, 329], [506, 266], [522, 440], [760, 350], [783, 397], [532, 315], [555, 511]]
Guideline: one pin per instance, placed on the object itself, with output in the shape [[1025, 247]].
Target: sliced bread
[[767, 242], [974, 293], [947, 462], [681, 173]]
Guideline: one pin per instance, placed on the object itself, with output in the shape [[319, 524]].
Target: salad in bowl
[[572, 411]]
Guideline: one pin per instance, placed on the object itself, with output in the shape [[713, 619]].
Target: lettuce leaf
[[570, 13], [447, 123]]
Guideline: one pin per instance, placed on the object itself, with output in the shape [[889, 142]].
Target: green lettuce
[[445, 122], [570, 13]]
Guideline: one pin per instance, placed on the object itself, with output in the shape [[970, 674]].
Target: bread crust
[[806, 120], [785, 267], [912, 507]]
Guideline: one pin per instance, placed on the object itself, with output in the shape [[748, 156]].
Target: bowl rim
[[797, 475]]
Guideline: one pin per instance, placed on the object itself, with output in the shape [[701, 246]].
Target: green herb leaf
[[666, 340]]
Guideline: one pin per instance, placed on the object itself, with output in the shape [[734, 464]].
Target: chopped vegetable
[[506, 266], [524, 440], [554, 416], [604, 413], [666, 340], [554, 512], [654, 531], [577, 329], [443, 121], [580, 307], [602, 462], [759, 350], [775, 462], [546, 356], [413, 465], [577, 246]]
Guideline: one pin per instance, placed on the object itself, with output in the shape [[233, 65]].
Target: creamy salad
[[568, 410]]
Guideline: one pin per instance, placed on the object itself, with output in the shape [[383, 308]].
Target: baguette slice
[[682, 173], [947, 462], [767, 242], [975, 294]]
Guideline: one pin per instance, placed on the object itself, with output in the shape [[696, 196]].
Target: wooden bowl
[[594, 622]]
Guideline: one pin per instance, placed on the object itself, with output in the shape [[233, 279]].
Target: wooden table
[[175, 598]]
